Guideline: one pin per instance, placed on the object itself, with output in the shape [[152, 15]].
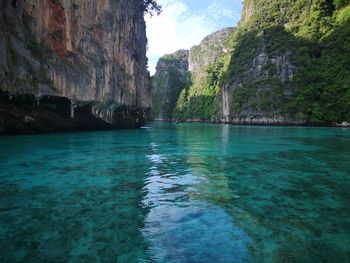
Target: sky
[[184, 23]]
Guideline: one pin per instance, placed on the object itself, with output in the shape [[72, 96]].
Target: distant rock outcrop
[[286, 63], [171, 76]]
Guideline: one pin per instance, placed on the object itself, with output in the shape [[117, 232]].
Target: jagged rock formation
[[209, 49], [277, 52], [91, 52], [285, 64], [258, 76], [254, 93], [204, 64], [171, 76], [183, 73]]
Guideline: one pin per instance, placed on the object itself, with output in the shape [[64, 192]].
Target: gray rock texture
[[206, 53], [268, 76], [86, 51], [209, 49], [170, 78], [185, 70], [284, 64]]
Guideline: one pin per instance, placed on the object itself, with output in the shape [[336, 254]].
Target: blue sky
[[184, 23]]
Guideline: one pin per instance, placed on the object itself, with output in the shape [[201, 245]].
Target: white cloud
[[216, 11], [175, 28], [181, 27]]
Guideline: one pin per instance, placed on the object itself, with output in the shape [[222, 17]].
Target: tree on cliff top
[[151, 7]]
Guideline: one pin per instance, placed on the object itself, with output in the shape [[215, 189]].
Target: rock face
[[284, 64], [253, 95], [207, 53], [247, 11], [171, 76], [205, 61], [209, 49], [86, 51], [180, 76]]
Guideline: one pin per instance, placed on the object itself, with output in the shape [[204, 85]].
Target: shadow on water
[[181, 225], [265, 194]]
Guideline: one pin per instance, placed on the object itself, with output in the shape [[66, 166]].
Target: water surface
[[177, 193]]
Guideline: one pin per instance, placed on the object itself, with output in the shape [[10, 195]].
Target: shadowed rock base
[[259, 121], [26, 114]]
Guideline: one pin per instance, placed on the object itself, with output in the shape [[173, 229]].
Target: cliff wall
[[86, 51], [171, 76], [178, 85], [285, 64]]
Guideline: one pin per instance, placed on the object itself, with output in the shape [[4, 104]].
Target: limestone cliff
[[171, 76], [209, 49], [278, 68], [205, 62], [255, 89], [87, 51], [285, 64], [180, 77]]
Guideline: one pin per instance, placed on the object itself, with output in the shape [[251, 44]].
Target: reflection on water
[[181, 227], [177, 193]]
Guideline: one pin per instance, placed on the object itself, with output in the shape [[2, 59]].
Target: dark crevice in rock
[[25, 114]]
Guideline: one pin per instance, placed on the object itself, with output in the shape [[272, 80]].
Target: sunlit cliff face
[[91, 50]]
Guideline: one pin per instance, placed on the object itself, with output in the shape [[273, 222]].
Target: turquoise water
[[177, 193]]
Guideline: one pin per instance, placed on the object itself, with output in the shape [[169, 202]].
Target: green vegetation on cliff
[[201, 101], [315, 40], [151, 7], [323, 81], [167, 83], [287, 61]]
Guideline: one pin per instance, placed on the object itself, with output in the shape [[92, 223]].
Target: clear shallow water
[[177, 193]]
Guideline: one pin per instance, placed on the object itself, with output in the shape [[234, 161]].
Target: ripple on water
[[177, 193]]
